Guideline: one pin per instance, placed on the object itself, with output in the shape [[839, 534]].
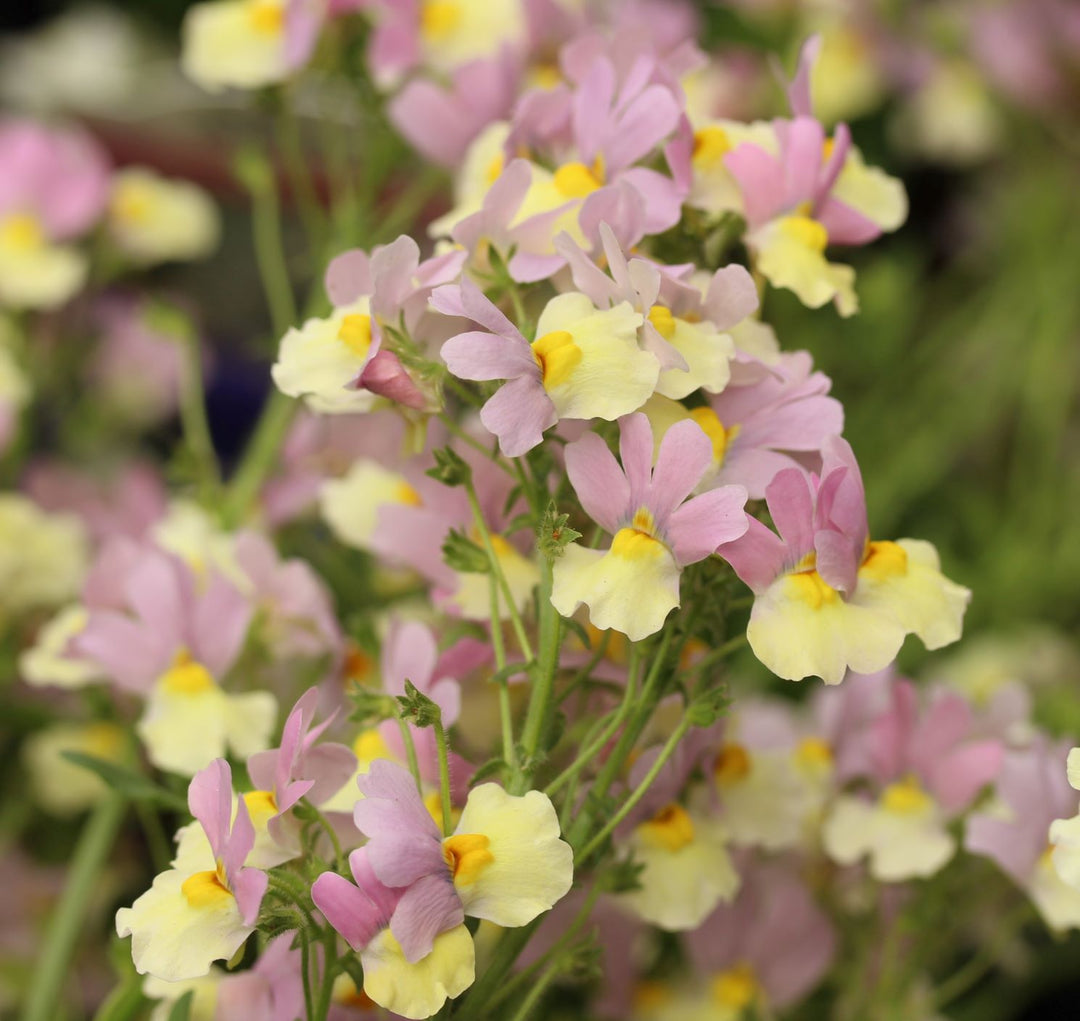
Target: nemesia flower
[[43, 557], [173, 644], [362, 913], [49, 661], [826, 597], [53, 187], [926, 769], [632, 586], [153, 219], [756, 430], [271, 990], [807, 193], [247, 43], [343, 362], [186, 921], [504, 863], [681, 845], [692, 349], [1031, 791], [60, 786], [766, 950], [585, 363]]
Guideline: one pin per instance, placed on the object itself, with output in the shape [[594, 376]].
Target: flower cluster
[[473, 657]]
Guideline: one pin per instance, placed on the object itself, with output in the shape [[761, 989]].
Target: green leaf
[[464, 555], [709, 707], [418, 708], [450, 469], [554, 534], [125, 781]]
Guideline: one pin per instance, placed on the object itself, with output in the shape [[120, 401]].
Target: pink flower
[[827, 598], [772, 946], [635, 584], [58, 177]]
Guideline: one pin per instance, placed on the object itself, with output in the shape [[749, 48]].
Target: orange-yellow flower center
[[575, 180], [884, 560], [187, 677], [805, 231], [206, 889], [736, 988], [732, 764], [355, 333], [814, 754], [711, 145], [712, 427], [809, 587], [21, 232], [906, 797], [266, 18], [557, 355], [663, 320], [439, 19], [671, 829], [467, 855]]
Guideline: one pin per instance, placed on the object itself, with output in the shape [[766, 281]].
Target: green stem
[[326, 990], [339, 854], [158, 843], [444, 775], [523, 976], [258, 176], [638, 793], [512, 942], [193, 417], [259, 458], [410, 752], [537, 991], [496, 568], [67, 923], [296, 162], [538, 715], [305, 976]]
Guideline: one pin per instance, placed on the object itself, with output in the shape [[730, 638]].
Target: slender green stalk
[[536, 993], [330, 969], [193, 417], [158, 843], [95, 842], [496, 568], [538, 716], [339, 854], [305, 976], [258, 176], [303, 186], [525, 975], [444, 775], [410, 752], [259, 458], [638, 793]]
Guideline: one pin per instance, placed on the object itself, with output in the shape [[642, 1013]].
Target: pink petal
[[707, 521], [635, 451], [348, 277], [761, 181], [518, 413], [600, 484], [483, 356], [731, 297], [685, 453], [429, 906], [792, 510], [210, 802], [757, 557]]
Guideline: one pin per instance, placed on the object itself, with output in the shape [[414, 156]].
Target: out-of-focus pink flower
[[60, 177]]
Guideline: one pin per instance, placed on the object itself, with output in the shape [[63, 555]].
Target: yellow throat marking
[[712, 427], [355, 333], [884, 560], [439, 19], [671, 829], [266, 18], [575, 180], [732, 765], [805, 231], [467, 855], [906, 797], [736, 988], [557, 355], [638, 540], [21, 232], [187, 677], [809, 587], [711, 145], [206, 889]]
